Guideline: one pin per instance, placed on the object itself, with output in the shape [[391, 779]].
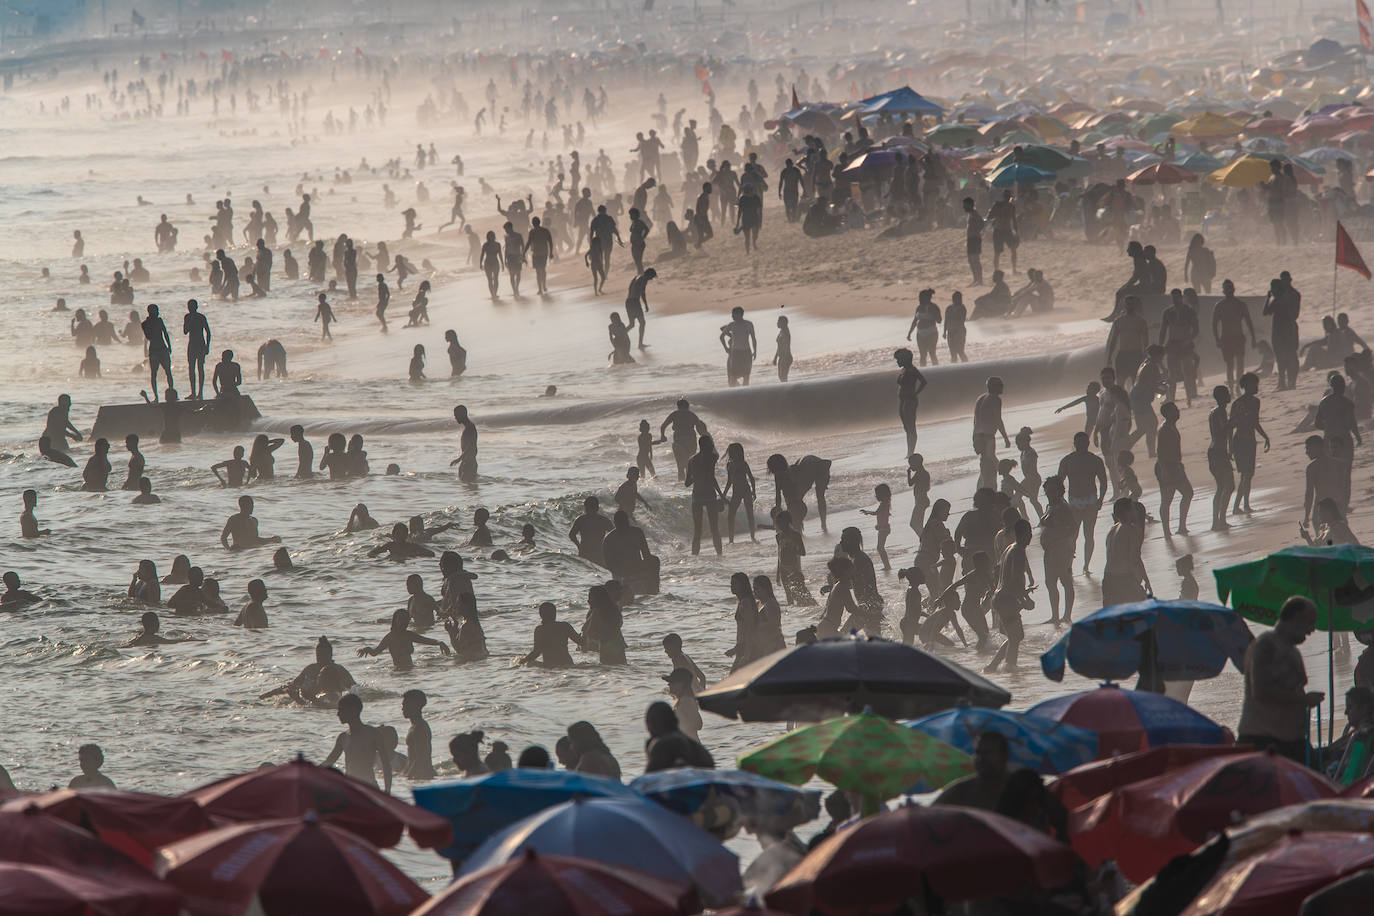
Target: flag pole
[[1335, 265]]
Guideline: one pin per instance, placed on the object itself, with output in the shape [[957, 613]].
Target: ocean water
[[180, 715]]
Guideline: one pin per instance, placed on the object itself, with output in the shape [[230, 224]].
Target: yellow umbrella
[[1208, 125], [1243, 173]]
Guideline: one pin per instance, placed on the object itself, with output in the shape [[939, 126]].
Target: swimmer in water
[[305, 453], [281, 560], [254, 615], [46, 449], [400, 642], [481, 534], [59, 428], [15, 597], [237, 471], [467, 446], [551, 638], [137, 463], [359, 746], [96, 476], [322, 683], [324, 314], [419, 533], [417, 364], [90, 758], [420, 605], [28, 522], [149, 636], [146, 496], [419, 737], [360, 520], [241, 530], [399, 548]]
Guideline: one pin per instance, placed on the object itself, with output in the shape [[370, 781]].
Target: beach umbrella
[[1155, 124], [1200, 162], [901, 101], [37, 890], [957, 853], [1046, 125], [1326, 815], [1208, 125], [1182, 640], [1245, 172], [994, 130], [30, 837], [1132, 720], [953, 135], [1277, 880], [1042, 745], [1019, 174], [1318, 127], [1145, 824], [901, 141], [630, 832], [1327, 155], [478, 807], [1093, 780], [1338, 578], [284, 867], [1042, 157], [558, 886], [876, 159], [1268, 127], [299, 786], [1017, 138], [722, 802], [1162, 173], [811, 119], [1123, 142], [867, 754], [135, 823], [830, 677]]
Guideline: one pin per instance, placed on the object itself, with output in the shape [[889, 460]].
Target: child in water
[[918, 478], [645, 459], [325, 315], [400, 641], [883, 493], [481, 534], [146, 496], [254, 615], [90, 366], [421, 605], [417, 364], [911, 619]]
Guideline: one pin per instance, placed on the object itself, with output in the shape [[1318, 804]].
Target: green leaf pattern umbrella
[[865, 753], [1338, 578]]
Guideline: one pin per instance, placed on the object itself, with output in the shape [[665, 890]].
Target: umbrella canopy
[[724, 801], [1042, 745], [299, 786], [876, 159], [1042, 157], [1277, 880], [135, 823], [36, 890], [1189, 640], [1162, 173], [1083, 784], [1245, 172], [534, 883], [1200, 162], [811, 119], [1019, 173], [1144, 825], [1268, 127], [1327, 815], [28, 836], [833, 676], [1132, 720], [1208, 125], [1327, 155], [876, 864], [901, 101], [1339, 579], [630, 832], [1318, 127], [865, 753], [286, 866], [953, 135], [1156, 124], [478, 807]]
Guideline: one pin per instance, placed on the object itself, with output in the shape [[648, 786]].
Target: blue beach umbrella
[[724, 801], [1019, 173], [1190, 640], [481, 806], [1126, 721], [1201, 162], [1043, 745], [632, 832]]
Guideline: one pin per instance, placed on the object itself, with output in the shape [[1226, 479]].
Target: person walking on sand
[[1219, 457], [1085, 474], [1058, 536], [1245, 423], [1231, 325], [1341, 430], [973, 235], [1169, 470]]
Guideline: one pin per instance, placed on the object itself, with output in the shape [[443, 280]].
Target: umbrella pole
[[1330, 684]]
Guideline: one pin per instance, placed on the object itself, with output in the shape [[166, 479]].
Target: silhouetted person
[[467, 446], [241, 530], [159, 347]]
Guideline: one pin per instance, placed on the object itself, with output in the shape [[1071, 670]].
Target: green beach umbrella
[[953, 135], [866, 753], [1338, 578]]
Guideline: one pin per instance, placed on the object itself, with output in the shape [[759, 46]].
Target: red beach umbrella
[[959, 853], [1144, 825], [1132, 720], [135, 823], [299, 786], [1275, 882], [1162, 173], [285, 867], [1082, 784], [30, 837], [564, 885], [37, 890], [1268, 127]]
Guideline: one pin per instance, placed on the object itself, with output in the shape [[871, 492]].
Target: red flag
[[204, 56], [1139, 10], [705, 88], [1361, 11], [324, 53], [358, 52], [1347, 255], [795, 103], [1365, 41], [702, 73], [227, 55], [164, 55]]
